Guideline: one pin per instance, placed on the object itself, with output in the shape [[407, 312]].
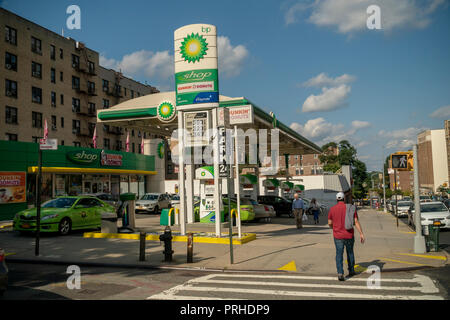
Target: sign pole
[[419, 240], [238, 188], [38, 204], [396, 198]]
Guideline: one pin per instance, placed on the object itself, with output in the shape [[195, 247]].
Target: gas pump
[[287, 190], [126, 211], [207, 206], [248, 184], [271, 187]]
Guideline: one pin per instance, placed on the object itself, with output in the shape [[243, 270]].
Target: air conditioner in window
[[53, 127], [75, 109], [76, 130], [74, 65], [53, 104], [9, 93], [8, 66], [36, 74]]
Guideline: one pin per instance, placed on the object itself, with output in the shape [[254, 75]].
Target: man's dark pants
[[348, 244]]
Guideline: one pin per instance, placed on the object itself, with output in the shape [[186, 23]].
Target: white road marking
[[426, 285]]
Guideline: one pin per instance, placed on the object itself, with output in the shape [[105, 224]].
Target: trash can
[[433, 236], [164, 218], [109, 222]]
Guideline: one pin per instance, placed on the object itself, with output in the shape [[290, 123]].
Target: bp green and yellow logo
[[193, 48], [166, 111], [160, 150]]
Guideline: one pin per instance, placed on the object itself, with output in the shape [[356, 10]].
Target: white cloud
[[320, 131], [349, 16], [322, 80], [143, 63], [441, 113], [401, 138], [330, 99], [231, 59]]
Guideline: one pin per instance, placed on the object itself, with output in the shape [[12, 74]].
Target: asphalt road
[[49, 282]]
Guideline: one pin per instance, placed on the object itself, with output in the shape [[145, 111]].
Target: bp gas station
[[197, 120]]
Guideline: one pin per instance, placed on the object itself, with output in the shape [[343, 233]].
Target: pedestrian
[[314, 207], [341, 218], [298, 206]]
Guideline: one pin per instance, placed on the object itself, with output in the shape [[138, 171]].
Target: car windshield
[[433, 207], [404, 203], [176, 197], [59, 203], [150, 197]]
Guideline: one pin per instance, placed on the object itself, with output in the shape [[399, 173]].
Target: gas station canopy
[[142, 113]]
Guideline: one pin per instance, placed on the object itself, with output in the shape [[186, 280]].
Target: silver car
[[431, 212], [153, 203], [403, 208], [3, 273]]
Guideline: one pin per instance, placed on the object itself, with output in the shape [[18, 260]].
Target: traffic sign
[[48, 144]]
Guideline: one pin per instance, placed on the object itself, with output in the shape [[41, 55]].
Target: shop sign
[[12, 187], [196, 77], [83, 157], [111, 159], [241, 115]]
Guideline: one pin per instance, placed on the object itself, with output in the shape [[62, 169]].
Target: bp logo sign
[[193, 48], [166, 111], [160, 150]]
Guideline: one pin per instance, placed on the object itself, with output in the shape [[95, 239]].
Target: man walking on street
[[341, 218], [298, 207]]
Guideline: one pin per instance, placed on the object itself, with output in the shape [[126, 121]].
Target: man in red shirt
[[343, 237]]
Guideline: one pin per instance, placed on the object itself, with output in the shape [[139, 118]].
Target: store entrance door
[[92, 186]]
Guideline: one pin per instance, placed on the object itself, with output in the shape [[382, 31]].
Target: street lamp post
[[384, 185]]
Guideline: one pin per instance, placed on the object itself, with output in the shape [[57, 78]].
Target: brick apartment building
[[45, 76], [447, 141]]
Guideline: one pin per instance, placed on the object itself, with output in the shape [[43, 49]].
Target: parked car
[[153, 203], [263, 212], [3, 273], [280, 204], [430, 212], [447, 203], [403, 208], [425, 198], [175, 199], [105, 197], [64, 214]]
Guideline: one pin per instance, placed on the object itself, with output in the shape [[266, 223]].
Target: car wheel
[[65, 226]]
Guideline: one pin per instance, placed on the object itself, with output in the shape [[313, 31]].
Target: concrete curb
[[167, 267]]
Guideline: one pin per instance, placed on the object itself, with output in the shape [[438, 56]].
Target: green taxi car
[[64, 214]]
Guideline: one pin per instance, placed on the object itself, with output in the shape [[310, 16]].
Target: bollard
[[190, 247], [166, 237], [142, 237]]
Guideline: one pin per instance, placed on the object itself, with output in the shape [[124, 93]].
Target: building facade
[[45, 76], [447, 142], [433, 160]]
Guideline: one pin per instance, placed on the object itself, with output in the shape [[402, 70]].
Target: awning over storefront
[[142, 113]]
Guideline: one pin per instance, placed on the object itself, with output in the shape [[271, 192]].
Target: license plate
[[26, 226]]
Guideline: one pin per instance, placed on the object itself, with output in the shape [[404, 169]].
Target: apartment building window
[[118, 145], [77, 144], [138, 94], [10, 136], [92, 108], [105, 103], [11, 115], [61, 76], [52, 75], [91, 127], [62, 122], [52, 52], [36, 95], [75, 61], [76, 126], [302, 171], [91, 87], [75, 82], [11, 35], [36, 70], [91, 67], [117, 89], [53, 97], [75, 105], [54, 123], [10, 61], [36, 118], [132, 94], [125, 92], [106, 143], [316, 156], [132, 132], [36, 45], [105, 85], [132, 147], [35, 139], [61, 98], [62, 142], [11, 88], [61, 53]]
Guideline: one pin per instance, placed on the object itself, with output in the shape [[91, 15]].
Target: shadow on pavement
[[277, 251]]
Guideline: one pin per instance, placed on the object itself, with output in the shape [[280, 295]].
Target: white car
[[403, 208], [174, 199], [430, 212], [153, 202], [262, 212]]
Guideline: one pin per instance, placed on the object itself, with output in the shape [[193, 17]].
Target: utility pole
[[384, 192], [419, 240], [396, 196]]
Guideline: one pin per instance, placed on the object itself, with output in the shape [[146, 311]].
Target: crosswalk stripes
[[250, 286]]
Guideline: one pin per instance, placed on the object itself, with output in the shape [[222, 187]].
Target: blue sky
[[314, 63]]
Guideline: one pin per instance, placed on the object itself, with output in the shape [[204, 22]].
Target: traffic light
[[402, 161]]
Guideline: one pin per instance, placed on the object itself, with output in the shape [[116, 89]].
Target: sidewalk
[[309, 250]]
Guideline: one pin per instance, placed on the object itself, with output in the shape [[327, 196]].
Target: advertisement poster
[[12, 187]]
